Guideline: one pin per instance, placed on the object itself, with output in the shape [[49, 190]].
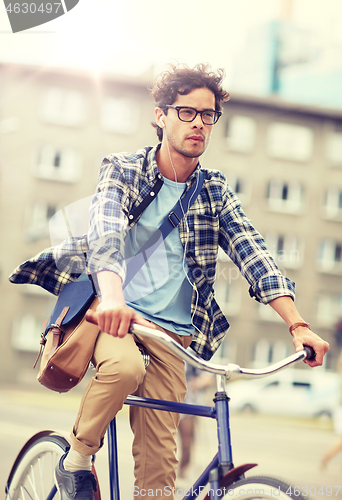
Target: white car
[[296, 392]]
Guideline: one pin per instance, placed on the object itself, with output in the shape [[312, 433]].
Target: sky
[[130, 36]]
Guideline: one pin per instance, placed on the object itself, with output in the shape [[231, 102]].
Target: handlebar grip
[[91, 317], [310, 353]]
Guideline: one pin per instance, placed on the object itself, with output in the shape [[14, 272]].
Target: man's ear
[[159, 114]]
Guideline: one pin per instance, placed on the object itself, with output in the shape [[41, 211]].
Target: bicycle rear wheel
[[33, 475], [262, 487]]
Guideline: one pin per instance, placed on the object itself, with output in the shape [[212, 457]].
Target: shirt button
[[130, 217], [152, 193]]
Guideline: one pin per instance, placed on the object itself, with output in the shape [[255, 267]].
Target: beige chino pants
[[120, 372]]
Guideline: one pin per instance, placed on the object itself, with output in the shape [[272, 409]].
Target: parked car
[[297, 392]]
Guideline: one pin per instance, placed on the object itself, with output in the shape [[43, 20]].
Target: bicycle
[[32, 474]]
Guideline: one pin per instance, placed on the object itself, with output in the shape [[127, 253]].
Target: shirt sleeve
[[247, 249], [108, 220]]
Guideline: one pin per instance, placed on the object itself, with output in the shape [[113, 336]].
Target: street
[[288, 448]]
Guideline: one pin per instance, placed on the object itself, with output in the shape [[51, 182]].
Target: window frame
[[238, 139], [69, 168], [120, 127], [329, 258], [285, 196], [292, 245], [63, 106], [332, 203], [297, 138]]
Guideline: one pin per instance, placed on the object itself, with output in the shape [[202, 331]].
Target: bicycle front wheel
[[33, 476], [258, 487]]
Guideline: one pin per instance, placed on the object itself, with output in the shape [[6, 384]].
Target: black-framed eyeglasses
[[186, 114]]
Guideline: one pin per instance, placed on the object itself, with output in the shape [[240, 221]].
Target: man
[[174, 290]]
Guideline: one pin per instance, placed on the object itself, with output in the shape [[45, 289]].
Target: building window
[[329, 308], [330, 256], [266, 352], [26, 333], [38, 220], [286, 249], [332, 208], [241, 187], [63, 106], [228, 291], [285, 196], [241, 134], [120, 115], [334, 148], [58, 164], [227, 351], [289, 142]]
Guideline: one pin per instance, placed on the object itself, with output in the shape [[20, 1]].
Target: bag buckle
[[174, 219]]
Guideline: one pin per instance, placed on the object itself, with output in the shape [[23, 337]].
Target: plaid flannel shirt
[[215, 219]]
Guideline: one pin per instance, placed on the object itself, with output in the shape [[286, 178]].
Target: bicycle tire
[[33, 476], [262, 487]]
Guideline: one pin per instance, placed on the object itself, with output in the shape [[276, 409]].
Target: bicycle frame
[[220, 473], [220, 465]]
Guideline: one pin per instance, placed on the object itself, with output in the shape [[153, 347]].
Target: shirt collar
[[153, 170], [194, 174], [152, 167]]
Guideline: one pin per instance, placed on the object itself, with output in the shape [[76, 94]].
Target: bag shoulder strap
[[137, 211]]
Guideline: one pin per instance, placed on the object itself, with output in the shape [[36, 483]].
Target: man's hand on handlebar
[[303, 336], [117, 320]]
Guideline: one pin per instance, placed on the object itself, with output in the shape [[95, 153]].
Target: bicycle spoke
[[23, 488], [31, 480], [34, 476], [41, 476]]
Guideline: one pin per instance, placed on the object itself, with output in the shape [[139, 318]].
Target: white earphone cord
[[186, 223]]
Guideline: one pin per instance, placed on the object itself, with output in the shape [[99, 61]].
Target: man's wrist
[[111, 290], [298, 324], [106, 304]]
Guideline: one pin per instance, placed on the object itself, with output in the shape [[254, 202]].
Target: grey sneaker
[[78, 485]]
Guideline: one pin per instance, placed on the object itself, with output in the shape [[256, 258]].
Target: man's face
[[189, 139]]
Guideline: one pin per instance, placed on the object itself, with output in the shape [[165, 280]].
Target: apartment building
[[283, 160]]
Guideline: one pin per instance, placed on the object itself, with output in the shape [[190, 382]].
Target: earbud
[[162, 122]]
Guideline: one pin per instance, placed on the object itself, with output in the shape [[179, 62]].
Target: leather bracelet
[[295, 325]]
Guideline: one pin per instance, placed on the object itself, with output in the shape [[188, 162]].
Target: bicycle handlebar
[[230, 371]]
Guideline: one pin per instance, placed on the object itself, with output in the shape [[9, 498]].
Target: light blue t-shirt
[[160, 291]]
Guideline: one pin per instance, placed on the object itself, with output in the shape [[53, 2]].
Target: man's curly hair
[[180, 79]]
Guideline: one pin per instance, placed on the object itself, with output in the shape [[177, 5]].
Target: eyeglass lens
[[188, 114]]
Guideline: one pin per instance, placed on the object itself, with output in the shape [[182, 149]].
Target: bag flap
[[77, 295]]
